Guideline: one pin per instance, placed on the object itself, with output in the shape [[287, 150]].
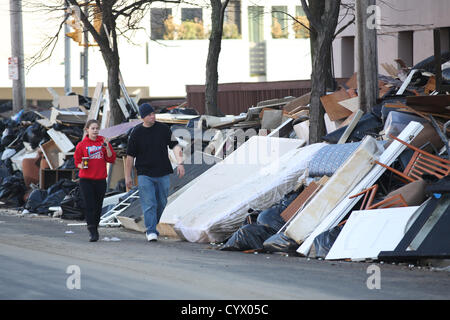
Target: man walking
[[148, 144]]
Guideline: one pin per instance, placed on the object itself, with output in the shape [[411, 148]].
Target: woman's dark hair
[[89, 122]]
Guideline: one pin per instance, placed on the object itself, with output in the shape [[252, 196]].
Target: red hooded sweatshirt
[[97, 158]]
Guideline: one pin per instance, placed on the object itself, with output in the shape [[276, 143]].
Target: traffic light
[[77, 33]]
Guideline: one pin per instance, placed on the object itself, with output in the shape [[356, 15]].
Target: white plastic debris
[[111, 239]]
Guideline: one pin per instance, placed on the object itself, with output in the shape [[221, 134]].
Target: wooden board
[[299, 201], [96, 101], [118, 130], [342, 182], [106, 112], [51, 151], [61, 140], [351, 104], [302, 101], [68, 101], [331, 105]]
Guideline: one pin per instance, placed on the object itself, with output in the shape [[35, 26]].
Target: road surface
[[43, 258]]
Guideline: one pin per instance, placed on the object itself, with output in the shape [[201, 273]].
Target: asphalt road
[[44, 259]]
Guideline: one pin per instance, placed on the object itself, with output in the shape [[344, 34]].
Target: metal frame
[[109, 218]]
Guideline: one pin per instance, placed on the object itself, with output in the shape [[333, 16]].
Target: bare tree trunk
[[323, 17], [112, 65], [215, 41], [367, 57]]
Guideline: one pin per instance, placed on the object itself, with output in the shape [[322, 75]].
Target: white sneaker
[[152, 237]]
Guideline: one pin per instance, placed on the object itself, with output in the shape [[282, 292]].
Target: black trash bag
[[6, 168], [29, 116], [64, 184], [72, 131], [7, 106], [9, 135], [52, 200], [280, 243], [186, 111], [369, 124], [324, 241], [272, 217], [12, 190], [35, 199], [436, 185], [446, 76], [73, 206], [34, 134], [248, 237]]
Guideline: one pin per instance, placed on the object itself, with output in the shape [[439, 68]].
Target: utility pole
[[85, 62], [367, 23], [67, 40], [18, 89]]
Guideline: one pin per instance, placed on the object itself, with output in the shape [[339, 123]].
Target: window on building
[[191, 14], [157, 18], [348, 56], [406, 47], [279, 22], [445, 40], [232, 20], [299, 27], [256, 23]]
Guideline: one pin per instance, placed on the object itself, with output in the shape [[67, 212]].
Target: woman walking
[[91, 156]]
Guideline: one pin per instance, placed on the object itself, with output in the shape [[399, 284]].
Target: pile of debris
[[374, 188]]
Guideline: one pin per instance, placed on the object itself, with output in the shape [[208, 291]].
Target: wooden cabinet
[[48, 177]]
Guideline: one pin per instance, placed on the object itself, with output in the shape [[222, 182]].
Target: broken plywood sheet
[[351, 104], [96, 101], [61, 140], [221, 215], [332, 107], [337, 188], [174, 118], [367, 233], [69, 116], [51, 151], [302, 101], [245, 162], [118, 130], [68, 102], [301, 199]]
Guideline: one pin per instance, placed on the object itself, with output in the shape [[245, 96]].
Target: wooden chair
[[369, 196], [421, 163]]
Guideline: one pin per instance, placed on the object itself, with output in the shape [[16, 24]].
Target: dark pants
[[93, 192]]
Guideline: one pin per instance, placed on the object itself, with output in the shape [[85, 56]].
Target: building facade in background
[[260, 43]]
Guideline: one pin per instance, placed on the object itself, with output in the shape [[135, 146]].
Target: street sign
[[13, 68]]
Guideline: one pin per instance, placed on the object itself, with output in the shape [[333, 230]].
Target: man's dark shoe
[[93, 231]]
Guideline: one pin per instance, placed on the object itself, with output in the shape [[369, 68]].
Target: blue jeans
[[153, 193]]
